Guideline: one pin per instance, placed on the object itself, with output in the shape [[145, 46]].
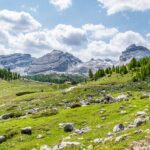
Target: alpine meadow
[[75, 75]]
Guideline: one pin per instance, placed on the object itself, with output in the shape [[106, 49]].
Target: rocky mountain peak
[[134, 47], [56, 61], [134, 51], [13, 61]]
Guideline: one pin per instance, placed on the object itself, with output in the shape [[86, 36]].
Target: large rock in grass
[[118, 128], [6, 116], [138, 122], [26, 130], [2, 138], [107, 99], [69, 127]]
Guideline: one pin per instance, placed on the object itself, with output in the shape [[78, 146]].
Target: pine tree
[[91, 74]]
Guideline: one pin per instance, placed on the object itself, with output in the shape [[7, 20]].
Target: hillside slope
[[93, 107]]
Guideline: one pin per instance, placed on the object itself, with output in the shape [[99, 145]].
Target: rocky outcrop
[[134, 51], [118, 128], [93, 64], [2, 138], [26, 130], [16, 62], [56, 61]]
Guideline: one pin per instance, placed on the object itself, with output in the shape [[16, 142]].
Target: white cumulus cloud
[[115, 6], [18, 21], [21, 33], [61, 4]]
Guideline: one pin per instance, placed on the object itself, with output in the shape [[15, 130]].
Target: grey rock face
[[134, 51], [93, 64], [56, 61], [59, 61], [15, 61]]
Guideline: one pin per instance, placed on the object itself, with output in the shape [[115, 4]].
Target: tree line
[[6, 74], [58, 78], [140, 68]]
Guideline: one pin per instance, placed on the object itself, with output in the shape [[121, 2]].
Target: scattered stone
[[131, 126], [26, 130], [83, 130], [120, 138], [138, 131], [98, 140], [147, 131], [76, 105], [103, 118], [138, 122], [62, 125], [6, 116], [40, 136], [107, 139], [99, 126], [45, 147], [67, 138], [63, 145], [122, 107], [33, 111], [147, 118], [123, 112], [90, 147], [110, 134], [107, 99], [69, 127], [141, 113], [118, 128], [2, 138], [122, 97]]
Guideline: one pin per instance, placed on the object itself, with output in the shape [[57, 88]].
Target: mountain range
[[63, 62]]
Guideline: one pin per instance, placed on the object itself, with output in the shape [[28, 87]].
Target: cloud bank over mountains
[[21, 33]]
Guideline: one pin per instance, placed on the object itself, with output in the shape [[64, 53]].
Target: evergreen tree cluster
[[141, 69], [58, 78], [108, 71], [6, 74]]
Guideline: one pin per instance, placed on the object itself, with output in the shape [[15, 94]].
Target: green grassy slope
[[46, 96]]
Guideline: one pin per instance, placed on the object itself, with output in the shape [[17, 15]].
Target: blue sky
[[69, 21]]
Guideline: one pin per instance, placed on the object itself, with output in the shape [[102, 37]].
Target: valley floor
[[94, 108]]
